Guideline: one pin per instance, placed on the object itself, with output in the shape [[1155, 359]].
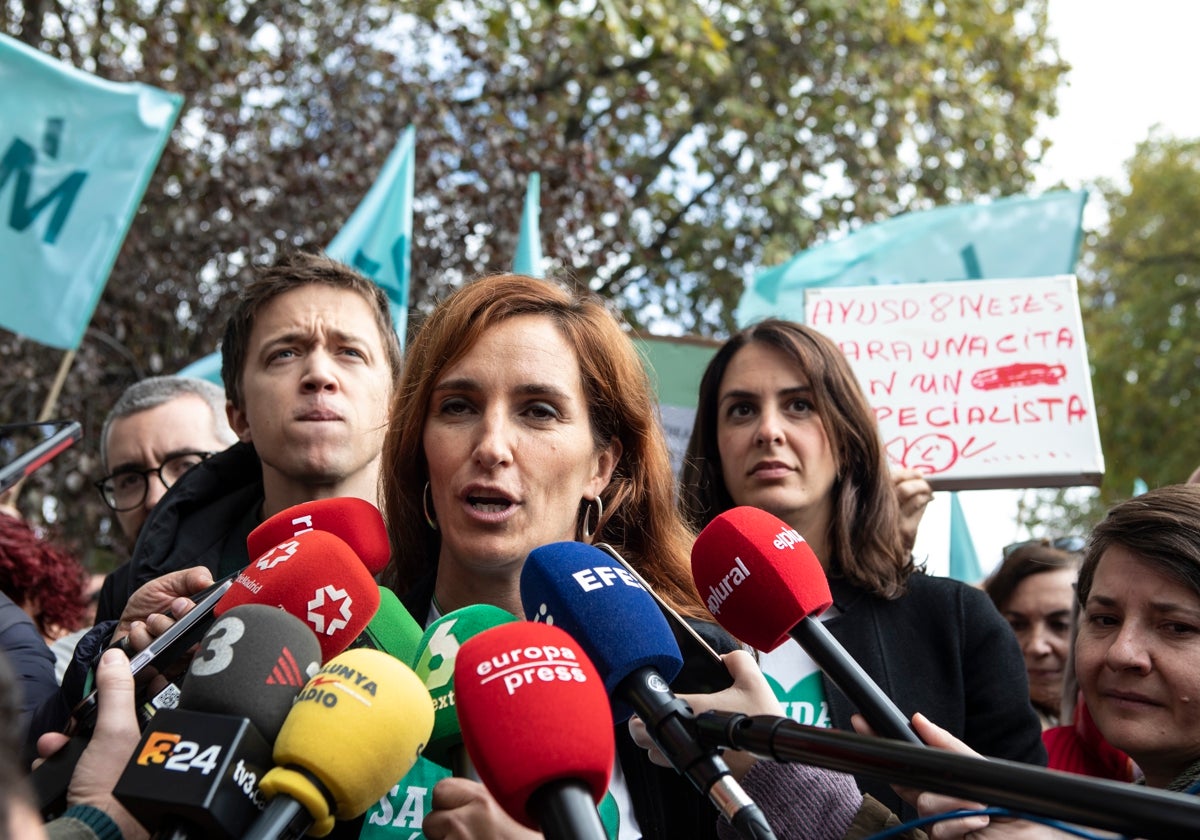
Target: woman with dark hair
[[1137, 649], [783, 425], [1034, 589]]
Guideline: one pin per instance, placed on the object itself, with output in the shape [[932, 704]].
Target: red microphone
[[525, 679], [356, 521], [316, 577], [761, 581]]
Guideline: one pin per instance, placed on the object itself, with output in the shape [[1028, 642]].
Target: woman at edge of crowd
[[1137, 650], [1034, 589], [524, 417], [782, 424]]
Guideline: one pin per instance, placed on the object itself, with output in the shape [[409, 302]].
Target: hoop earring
[[426, 504], [587, 515]]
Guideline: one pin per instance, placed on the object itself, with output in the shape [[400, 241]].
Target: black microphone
[[1131, 810], [582, 590], [196, 771], [762, 582]]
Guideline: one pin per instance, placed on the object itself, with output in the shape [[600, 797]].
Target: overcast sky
[[1133, 66]]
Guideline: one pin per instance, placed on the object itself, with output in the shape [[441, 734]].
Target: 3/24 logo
[[173, 753]]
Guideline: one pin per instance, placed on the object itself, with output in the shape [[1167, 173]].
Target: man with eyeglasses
[[157, 430]]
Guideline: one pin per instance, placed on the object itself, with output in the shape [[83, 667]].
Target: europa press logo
[[530, 665]]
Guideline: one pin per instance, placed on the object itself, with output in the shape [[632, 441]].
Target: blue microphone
[[580, 589]]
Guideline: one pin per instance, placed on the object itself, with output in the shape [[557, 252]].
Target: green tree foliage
[[681, 145], [1142, 318]]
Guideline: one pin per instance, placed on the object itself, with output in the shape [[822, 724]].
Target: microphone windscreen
[[758, 576], [433, 663], [356, 728], [251, 663], [316, 577], [393, 629], [581, 589], [534, 710], [357, 521]]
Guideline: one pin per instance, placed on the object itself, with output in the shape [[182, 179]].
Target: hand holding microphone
[[581, 589], [195, 771], [115, 738], [520, 678], [799, 801], [762, 582], [750, 694]]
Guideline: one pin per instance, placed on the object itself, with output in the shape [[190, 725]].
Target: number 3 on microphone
[[216, 651]]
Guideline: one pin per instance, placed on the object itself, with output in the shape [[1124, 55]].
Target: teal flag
[[1020, 236], [76, 154], [964, 561], [529, 240], [376, 240]]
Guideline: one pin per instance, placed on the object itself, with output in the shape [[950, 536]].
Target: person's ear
[[238, 422], [606, 464]]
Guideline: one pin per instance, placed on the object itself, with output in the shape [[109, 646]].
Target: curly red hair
[[35, 572]]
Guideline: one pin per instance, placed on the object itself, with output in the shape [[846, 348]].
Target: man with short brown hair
[[309, 360]]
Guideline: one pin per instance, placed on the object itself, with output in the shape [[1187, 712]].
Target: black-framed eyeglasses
[[1072, 544], [126, 489]]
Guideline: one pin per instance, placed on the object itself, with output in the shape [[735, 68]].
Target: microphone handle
[[564, 810], [671, 724], [1128, 809], [885, 718], [284, 818]]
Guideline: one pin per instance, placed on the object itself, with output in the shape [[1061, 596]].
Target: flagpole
[[60, 378]]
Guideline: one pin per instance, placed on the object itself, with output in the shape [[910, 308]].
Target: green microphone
[[392, 629], [433, 663]]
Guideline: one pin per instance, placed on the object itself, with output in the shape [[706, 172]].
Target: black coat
[[943, 650], [203, 520]]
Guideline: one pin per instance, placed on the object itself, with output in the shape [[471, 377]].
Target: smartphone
[[703, 671], [26, 446], [154, 669], [163, 657]]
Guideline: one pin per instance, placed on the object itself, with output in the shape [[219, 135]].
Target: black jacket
[[943, 650], [32, 666], [202, 521]]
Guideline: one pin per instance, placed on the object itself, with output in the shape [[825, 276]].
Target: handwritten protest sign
[[981, 384]]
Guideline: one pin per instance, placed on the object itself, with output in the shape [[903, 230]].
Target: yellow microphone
[[355, 729]]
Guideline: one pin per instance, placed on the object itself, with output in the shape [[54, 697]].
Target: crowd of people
[[520, 415]]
